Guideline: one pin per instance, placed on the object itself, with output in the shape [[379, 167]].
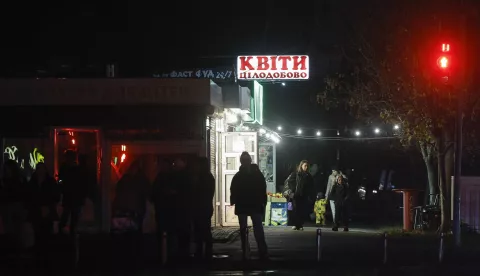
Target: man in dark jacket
[[204, 191], [74, 191], [248, 192]]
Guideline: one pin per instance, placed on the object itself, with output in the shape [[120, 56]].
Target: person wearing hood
[[299, 188], [248, 193]]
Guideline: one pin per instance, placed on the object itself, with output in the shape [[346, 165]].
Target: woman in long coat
[[299, 189]]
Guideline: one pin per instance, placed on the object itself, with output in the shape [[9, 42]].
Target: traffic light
[[443, 61]]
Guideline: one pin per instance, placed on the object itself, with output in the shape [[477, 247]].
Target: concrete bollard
[[441, 250], [164, 248], [385, 248], [319, 245]]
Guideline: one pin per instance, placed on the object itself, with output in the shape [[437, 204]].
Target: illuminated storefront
[[110, 123], [244, 132]]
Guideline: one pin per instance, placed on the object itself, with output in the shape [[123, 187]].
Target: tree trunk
[[445, 172], [429, 159]]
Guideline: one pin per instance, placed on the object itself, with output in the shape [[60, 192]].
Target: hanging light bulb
[[279, 128], [357, 133], [319, 133], [299, 131]]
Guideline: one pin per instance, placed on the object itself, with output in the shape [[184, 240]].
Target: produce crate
[[278, 214], [276, 199]]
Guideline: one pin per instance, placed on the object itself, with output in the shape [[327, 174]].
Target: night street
[[146, 138], [289, 250]]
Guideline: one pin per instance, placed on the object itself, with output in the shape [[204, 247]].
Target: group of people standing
[[182, 198], [299, 190], [182, 195], [35, 201]]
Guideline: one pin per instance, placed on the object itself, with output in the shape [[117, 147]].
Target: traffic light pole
[[458, 170], [459, 134]]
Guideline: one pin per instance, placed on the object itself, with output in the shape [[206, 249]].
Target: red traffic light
[[445, 47], [443, 62]]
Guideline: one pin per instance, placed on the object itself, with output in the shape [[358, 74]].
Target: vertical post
[[164, 251], [457, 173], [105, 183], [385, 246], [441, 249], [3, 148], [319, 245], [55, 154], [459, 130], [407, 224], [338, 153]]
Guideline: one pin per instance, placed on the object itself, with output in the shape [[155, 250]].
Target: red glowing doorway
[[86, 143]]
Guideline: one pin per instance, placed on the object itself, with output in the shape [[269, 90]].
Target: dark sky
[[144, 36], [81, 37]]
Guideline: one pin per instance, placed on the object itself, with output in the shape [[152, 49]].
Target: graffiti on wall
[[35, 157]]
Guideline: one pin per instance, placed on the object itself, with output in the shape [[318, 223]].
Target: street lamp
[[357, 133], [299, 131], [319, 133], [279, 128], [396, 127], [377, 130]]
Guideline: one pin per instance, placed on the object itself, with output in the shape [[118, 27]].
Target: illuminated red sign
[[291, 67]]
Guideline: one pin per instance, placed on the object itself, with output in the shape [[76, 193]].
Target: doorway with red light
[[85, 142]]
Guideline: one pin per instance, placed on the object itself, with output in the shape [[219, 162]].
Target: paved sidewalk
[[225, 234], [289, 250]]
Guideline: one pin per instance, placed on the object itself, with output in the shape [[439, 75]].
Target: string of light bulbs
[[356, 132], [281, 127], [333, 138]]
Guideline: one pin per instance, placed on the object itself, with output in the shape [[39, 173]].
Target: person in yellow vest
[[320, 209]]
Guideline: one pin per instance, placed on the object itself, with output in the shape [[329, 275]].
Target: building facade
[[111, 122]]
